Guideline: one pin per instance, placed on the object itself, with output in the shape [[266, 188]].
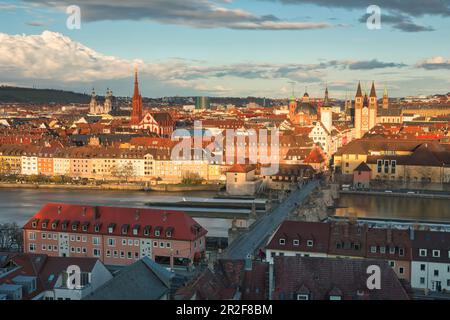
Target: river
[[369, 206], [18, 205]]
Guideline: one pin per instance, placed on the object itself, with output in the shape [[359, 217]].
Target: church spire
[[136, 114], [373, 93], [359, 91]]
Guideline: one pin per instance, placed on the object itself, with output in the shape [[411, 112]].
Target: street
[[249, 242]]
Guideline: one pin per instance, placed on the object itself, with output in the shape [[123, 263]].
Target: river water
[[18, 205], [394, 207]]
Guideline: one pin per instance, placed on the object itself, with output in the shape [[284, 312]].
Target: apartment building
[[115, 235]]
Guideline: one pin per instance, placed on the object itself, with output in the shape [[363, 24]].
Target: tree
[[191, 178], [11, 237]]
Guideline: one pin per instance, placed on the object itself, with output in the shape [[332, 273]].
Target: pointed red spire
[[136, 114]]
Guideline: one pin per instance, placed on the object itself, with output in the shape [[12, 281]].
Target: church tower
[[107, 107], [292, 108], [93, 103], [136, 114], [326, 113], [385, 98], [365, 111]]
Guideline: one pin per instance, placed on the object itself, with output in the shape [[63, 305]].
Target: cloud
[[399, 22], [373, 64], [416, 8], [204, 14], [397, 13], [36, 23], [435, 63], [55, 60]]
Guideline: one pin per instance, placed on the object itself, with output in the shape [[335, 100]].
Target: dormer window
[[157, 231], [423, 252], [111, 227], [75, 225], [136, 230], [310, 243], [296, 242], [34, 223], [125, 228], [55, 224], [147, 230], [97, 228], [169, 232], [282, 242], [64, 224], [335, 298], [436, 253], [302, 296], [44, 225]]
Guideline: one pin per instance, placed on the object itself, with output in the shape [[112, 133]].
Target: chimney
[[59, 209], [84, 211], [271, 284], [389, 235], [137, 215], [95, 213], [411, 233]]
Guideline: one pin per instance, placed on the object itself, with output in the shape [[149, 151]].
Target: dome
[[306, 108]]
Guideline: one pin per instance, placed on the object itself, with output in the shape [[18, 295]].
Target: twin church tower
[[366, 110]]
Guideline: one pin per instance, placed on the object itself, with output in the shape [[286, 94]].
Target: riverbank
[[409, 194], [123, 187]]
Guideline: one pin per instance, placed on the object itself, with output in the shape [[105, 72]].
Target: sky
[[264, 48]]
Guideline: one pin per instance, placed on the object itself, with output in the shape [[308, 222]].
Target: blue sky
[[232, 48]]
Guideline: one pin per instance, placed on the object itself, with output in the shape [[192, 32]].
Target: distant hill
[[40, 96]]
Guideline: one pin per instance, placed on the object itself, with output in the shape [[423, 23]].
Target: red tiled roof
[[184, 227]]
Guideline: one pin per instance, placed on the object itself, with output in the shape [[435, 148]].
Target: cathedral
[[108, 106], [365, 111], [302, 112]]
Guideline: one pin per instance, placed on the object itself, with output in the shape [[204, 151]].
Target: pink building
[[115, 235], [361, 176]]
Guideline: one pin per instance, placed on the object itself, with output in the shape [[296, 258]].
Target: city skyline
[[226, 48]]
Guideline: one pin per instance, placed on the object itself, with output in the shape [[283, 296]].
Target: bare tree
[[11, 238]]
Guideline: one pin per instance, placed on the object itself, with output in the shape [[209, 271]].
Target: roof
[[303, 231], [240, 168], [143, 280], [184, 227], [321, 278], [431, 240], [363, 167]]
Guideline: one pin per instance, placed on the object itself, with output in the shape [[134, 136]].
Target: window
[[309, 243], [382, 249], [32, 236], [116, 253], [392, 264], [436, 273], [392, 250], [72, 238], [111, 242], [130, 242], [401, 270], [96, 253], [296, 242], [379, 165], [95, 241], [155, 244], [386, 166], [282, 242], [122, 254], [84, 250], [401, 252], [335, 298], [167, 244], [393, 166], [78, 250], [373, 249], [161, 244], [44, 247], [84, 239], [422, 280], [157, 233], [43, 235], [422, 267], [124, 242], [436, 253], [136, 243], [302, 297], [97, 228], [72, 249], [129, 255], [423, 252], [108, 253], [78, 238]]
